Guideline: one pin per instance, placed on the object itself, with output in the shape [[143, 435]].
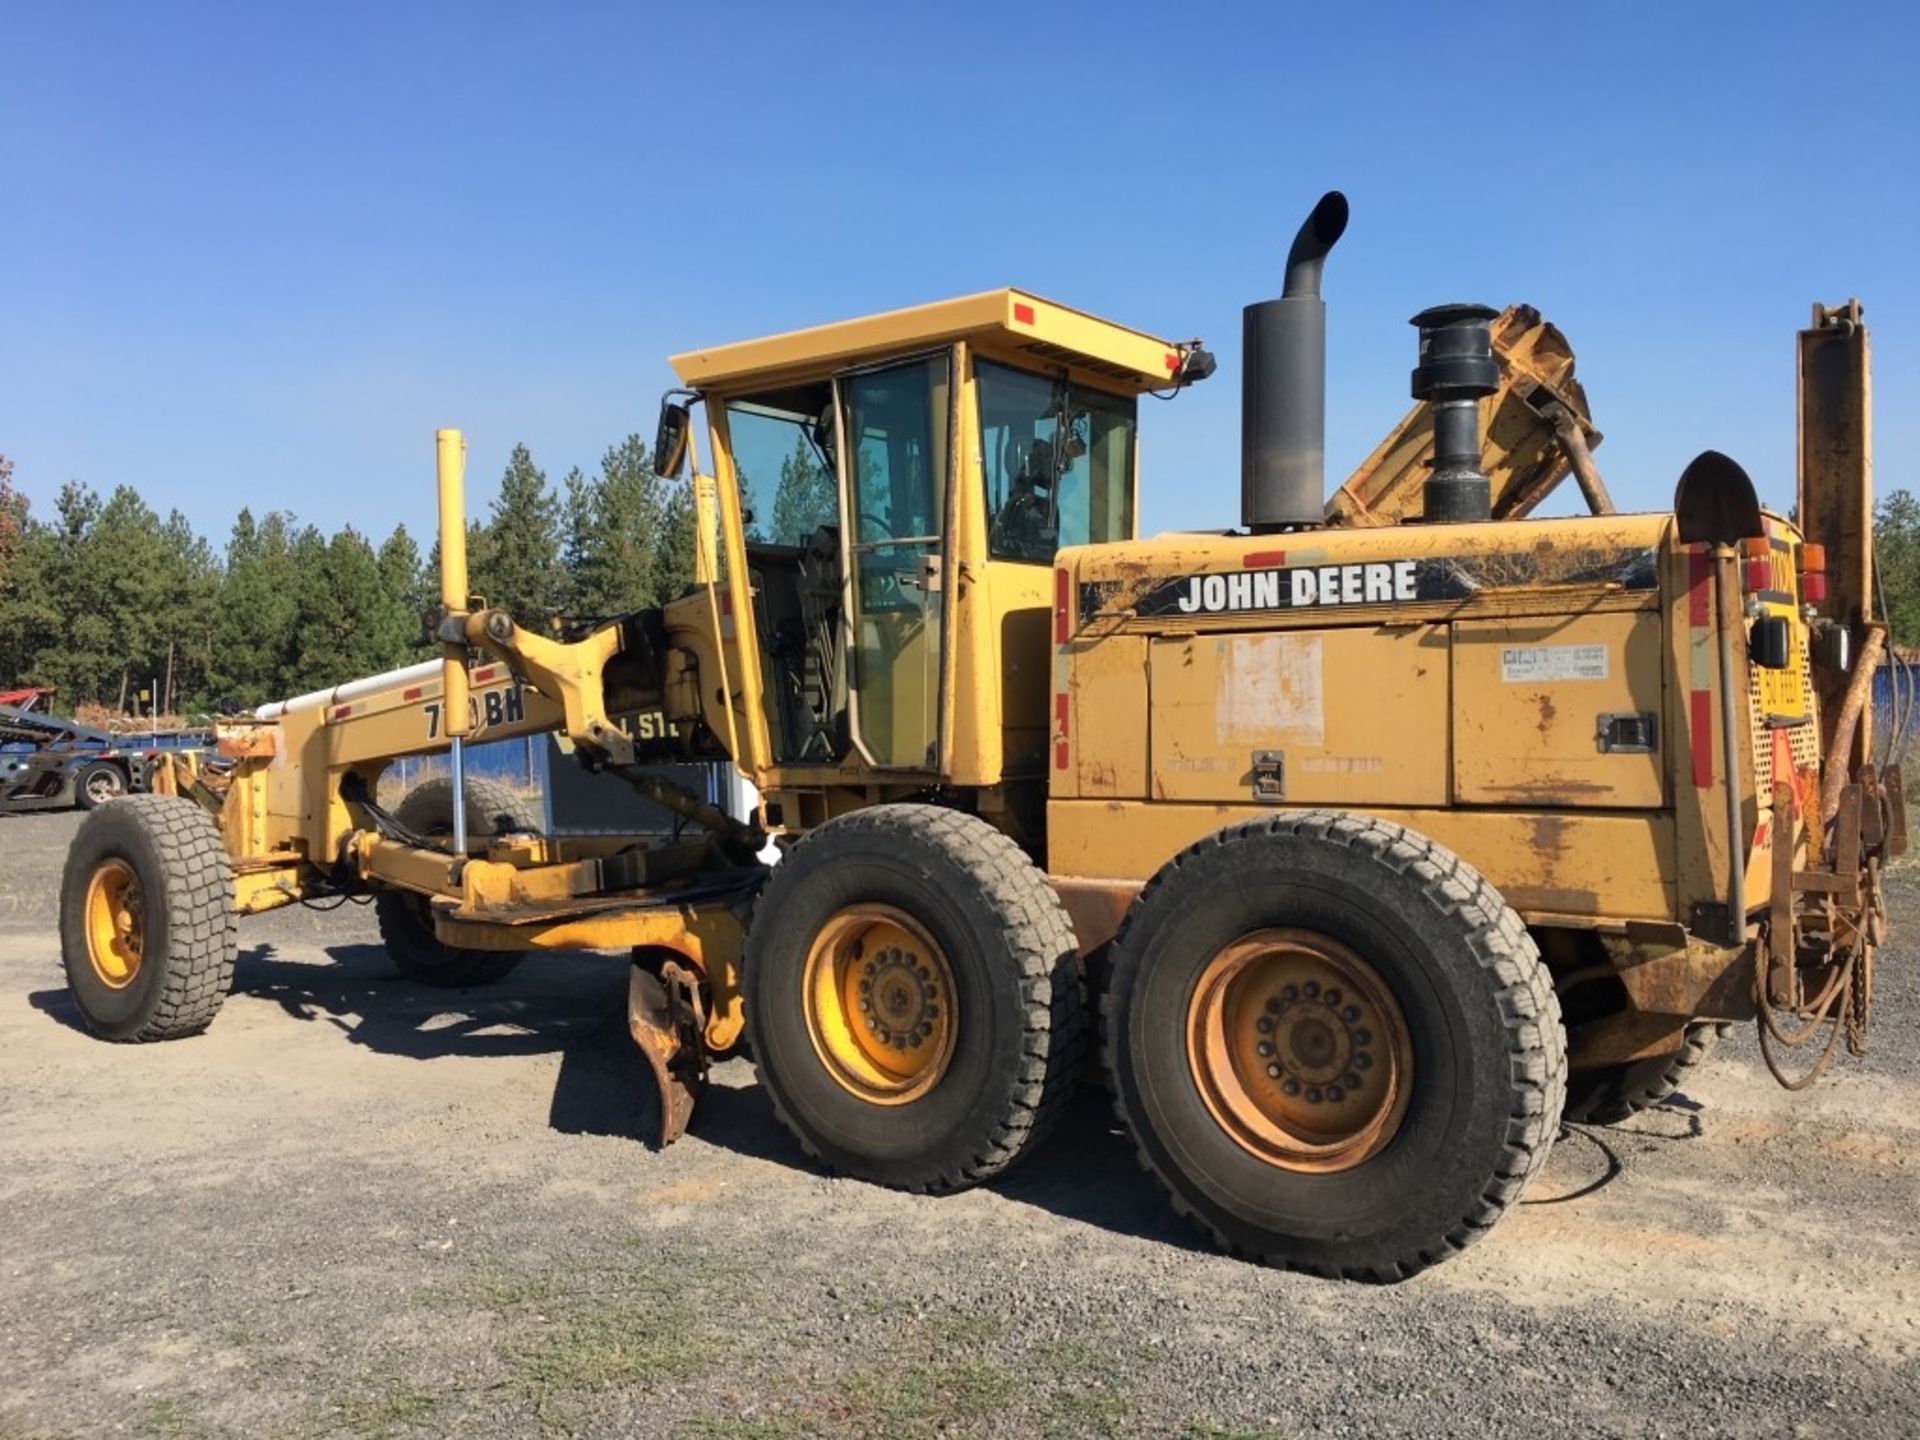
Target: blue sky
[[255, 254]]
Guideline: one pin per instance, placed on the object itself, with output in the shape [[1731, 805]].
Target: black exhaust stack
[[1283, 386], [1456, 369]]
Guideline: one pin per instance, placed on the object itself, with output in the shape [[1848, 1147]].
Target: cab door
[[895, 423]]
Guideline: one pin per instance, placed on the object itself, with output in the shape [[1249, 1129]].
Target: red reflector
[[1813, 588], [1173, 362], [1060, 606], [1759, 575], [1700, 736], [340, 712], [1263, 559], [483, 674], [412, 692], [1060, 712], [1060, 755], [1023, 314]]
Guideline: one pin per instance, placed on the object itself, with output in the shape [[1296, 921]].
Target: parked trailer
[[53, 762]]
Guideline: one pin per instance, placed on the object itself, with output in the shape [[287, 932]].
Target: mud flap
[[663, 1012]]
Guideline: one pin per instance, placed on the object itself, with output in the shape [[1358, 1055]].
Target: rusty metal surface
[[1096, 907], [662, 1013], [1835, 490], [1572, 435], [1843, 728]]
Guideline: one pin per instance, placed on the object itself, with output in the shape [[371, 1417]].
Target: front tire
[[1334, 1044], [405, 918], [914, 998], [147, 930]]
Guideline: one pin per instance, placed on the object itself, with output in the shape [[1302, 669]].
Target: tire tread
[[1042, 943], [202, 928], [1499, 941]]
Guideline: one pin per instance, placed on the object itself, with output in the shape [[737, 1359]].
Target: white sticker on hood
[[1522, 664]]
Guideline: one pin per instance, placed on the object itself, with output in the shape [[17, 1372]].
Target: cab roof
[[1006, 319]]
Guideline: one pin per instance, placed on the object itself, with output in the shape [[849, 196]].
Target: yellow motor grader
[[1358, 841]]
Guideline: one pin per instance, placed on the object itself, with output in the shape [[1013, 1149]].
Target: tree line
[[105, 597]]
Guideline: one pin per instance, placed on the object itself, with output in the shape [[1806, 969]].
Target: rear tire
[[406, 919], [1612, 1093], [1387, 1078], [914, 998], [147, 930]]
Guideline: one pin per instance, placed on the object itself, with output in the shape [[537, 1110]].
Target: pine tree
[[518, 567], [673, 570], [13, 518], [400, 617], [805, 499], [30, 619], [576, 539], [255, 616], [345, 627], [619, 570]]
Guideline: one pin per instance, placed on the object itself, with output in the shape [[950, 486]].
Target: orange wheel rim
[[879, 1001], [1299, 1050], [115, 923]]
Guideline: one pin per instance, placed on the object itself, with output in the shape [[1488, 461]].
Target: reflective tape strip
[[1700, 664]]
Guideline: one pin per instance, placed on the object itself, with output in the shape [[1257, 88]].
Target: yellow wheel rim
[[879, 1004], [1299, 1050], [115, 923]]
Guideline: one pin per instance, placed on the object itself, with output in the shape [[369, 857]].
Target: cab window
[[1057, 459]]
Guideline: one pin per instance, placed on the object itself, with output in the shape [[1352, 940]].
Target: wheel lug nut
[[1351, 1081], [1362, 1061], [1273, 1073], [1332, 997], [1363, 1037], [1335, 1093], [1313, 1094], [1292, 1087], [1264, 1048], [1289, 993], [1264, 1025], [1310, 989], [1350, 1014]]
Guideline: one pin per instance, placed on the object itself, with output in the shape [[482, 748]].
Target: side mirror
[[670, 440]]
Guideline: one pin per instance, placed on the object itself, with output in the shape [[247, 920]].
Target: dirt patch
[[360, 1208]]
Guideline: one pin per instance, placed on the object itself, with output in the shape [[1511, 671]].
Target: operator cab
[[876, 459]]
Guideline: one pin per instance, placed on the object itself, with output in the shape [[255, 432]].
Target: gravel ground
[[360, 1208]]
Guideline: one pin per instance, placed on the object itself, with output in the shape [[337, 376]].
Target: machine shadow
[[574, 1006]]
